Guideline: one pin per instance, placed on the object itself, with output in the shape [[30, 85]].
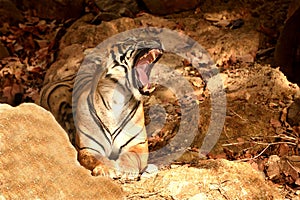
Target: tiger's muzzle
[[144, 63]]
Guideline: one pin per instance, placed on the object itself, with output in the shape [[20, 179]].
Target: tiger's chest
[[116, 108]]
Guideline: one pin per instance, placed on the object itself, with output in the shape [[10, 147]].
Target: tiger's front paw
[[108, 171], [129, 173], [117, 172]]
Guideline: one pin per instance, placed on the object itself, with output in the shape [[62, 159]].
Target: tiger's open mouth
[[143, 68]]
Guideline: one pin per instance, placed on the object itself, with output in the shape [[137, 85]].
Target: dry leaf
[[275, 123], [283, 150], [283, 115]]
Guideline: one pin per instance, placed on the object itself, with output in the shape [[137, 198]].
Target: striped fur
[[108, 111]]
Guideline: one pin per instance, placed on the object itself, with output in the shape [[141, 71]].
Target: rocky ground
[[240, 36], [37, 161]]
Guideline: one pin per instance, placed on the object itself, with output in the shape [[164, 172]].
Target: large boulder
[[163, 7], [38, 162], [109, 10], [9, 13], [287, 54], [54, 9], [208, 179]]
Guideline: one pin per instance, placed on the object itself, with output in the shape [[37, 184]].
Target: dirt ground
[[258, 94]]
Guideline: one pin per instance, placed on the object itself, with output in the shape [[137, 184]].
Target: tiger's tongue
[[141, 69]]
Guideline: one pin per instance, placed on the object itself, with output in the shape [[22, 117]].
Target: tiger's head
[[131, 62]]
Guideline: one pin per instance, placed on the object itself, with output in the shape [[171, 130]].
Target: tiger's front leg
[[98, 164], [129, 165], [133, 161]]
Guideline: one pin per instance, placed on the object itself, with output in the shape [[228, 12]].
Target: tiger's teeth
[[154, 55], [147, 88], [151, 55], [144, 56]]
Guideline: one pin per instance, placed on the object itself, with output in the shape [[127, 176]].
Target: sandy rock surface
[[38, 162], [208, 179]]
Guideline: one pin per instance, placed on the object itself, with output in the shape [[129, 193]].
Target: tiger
[[108, 112]]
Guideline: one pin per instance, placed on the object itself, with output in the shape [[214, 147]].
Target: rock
[[55, 9], [9, 13], [294, 5], [115, 9], [37, 160], [164, 7], [209, 179], [293, 116], [287, 54], [273, 167], [284, 169]]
